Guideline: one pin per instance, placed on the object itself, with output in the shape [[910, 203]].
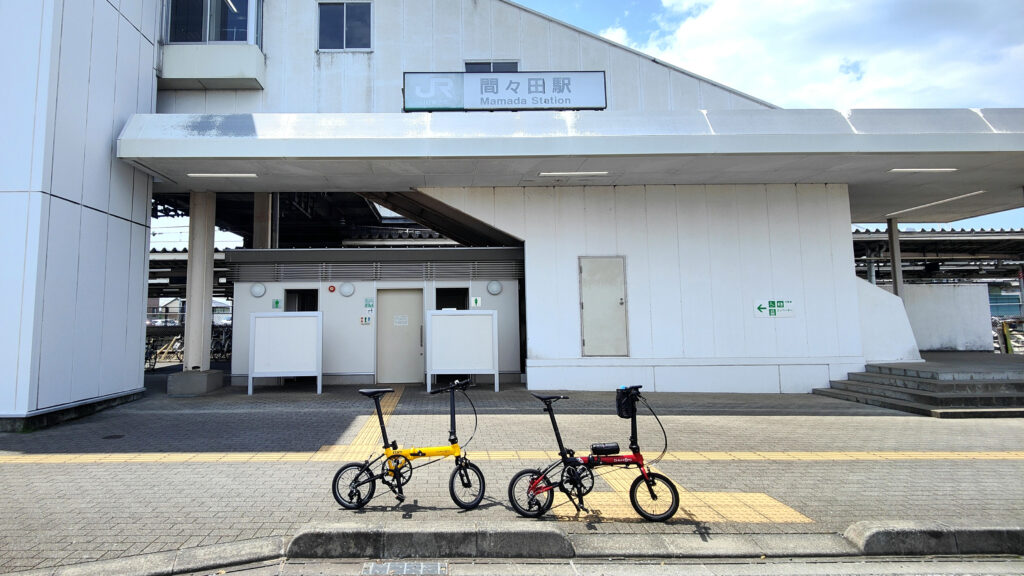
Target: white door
[[603, 306], [400, 336]]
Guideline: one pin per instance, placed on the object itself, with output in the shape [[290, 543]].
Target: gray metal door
[[603, 306]]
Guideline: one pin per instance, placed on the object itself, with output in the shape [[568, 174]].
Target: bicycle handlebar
[[457, 385]]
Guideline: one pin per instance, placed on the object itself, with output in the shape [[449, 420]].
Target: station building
[[633, 223]]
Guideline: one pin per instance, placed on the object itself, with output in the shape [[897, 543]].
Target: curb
[[711, 546], [429, 540], [920, 538], [175, 562]]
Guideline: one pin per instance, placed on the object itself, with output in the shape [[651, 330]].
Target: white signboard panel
[[429, 91], [462, 342], [286, 344], [774, 309]]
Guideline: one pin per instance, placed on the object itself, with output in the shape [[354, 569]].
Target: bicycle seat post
[[380, 418], [550, 409], [452, 438]]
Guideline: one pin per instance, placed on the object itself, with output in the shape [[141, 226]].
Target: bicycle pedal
[[400, 498]]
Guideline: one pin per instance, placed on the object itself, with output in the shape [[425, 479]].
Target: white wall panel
[[100, 124], [447, 41], [24, 29], [819, 283], [631, 238], [147, 76], [348, 345], [757, 334], [846, 300], [476, 30], [330, 82], [570, 245], [141, 193], [59, 301], [480, 203], [135, 342], [298, 54], [88, 331], [133, 11], [656, 87], [248, 101], [695, 269], [150, 19], [623, 80], [566, 51], [509, 211], [541, 306], [802, 379], [220, 102], [721, 378], [685, 92], [14, 226], [357, 89], [190, 102], [599, 226], [69, 132], [535, 43], [727, 292], [115, 309], [126, 102], [664, 281], [507, 39], [787, 267], [594, 57]]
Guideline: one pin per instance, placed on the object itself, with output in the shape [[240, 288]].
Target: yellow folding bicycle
[[355, 483]]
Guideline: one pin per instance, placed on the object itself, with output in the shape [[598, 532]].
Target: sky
[[838, 54]]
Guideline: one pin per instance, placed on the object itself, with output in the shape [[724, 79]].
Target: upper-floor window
[[487, 67], [199, 21], [344, 26]]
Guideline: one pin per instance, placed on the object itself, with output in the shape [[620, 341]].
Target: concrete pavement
[[165, 478]]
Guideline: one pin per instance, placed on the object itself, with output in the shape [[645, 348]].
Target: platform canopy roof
[[915, 165]]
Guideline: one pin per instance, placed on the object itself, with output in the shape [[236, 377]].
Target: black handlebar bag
[[625, 403]]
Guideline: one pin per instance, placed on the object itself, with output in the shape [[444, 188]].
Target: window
[[344, 26], [201, 21], [492, 67]]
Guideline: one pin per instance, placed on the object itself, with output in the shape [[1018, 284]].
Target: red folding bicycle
[[652, 495]]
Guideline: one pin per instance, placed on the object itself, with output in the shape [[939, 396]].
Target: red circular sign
[[330, 288]]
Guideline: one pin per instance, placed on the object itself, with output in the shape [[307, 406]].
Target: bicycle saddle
[[375, 392], [544, 398]]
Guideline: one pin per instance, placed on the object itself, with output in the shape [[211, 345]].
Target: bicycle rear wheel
[[466, 486], [531, 503], [662, 505], [353, 486]]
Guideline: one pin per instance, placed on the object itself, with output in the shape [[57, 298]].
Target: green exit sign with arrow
[[777, 308]]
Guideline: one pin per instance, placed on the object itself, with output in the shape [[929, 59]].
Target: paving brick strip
[[166, 479]]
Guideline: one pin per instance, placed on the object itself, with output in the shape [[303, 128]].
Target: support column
[[895, 258], [199, 287], [871, 272], [262, 220]]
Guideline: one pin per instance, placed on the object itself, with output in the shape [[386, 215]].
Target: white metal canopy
[[394, 152]]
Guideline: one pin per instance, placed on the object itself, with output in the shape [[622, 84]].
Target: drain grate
[[405, 568]]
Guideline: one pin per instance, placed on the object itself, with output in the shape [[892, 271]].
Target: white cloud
[[849, 53], [616, 34]]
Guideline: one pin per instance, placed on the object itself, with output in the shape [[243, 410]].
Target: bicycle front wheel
[[657, 502], [529, 497], [466, 485], [353, 486]]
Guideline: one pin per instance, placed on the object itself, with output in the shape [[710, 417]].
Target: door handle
[[622, 301]]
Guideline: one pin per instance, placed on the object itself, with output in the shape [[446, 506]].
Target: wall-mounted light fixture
[[494, 287]]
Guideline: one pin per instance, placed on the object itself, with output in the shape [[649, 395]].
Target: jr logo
[[443, 86]]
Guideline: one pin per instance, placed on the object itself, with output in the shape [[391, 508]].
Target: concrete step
[[918, 408], [890, 403], [935, 399], [929, 370], [932, 385]]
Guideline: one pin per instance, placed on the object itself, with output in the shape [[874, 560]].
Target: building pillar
[[262, 220], [895, 259], [199, 286], [871, 272]]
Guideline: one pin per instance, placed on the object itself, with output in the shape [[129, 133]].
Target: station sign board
[[489, 91]]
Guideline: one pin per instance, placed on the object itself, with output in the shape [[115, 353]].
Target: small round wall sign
[[330, 288]]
